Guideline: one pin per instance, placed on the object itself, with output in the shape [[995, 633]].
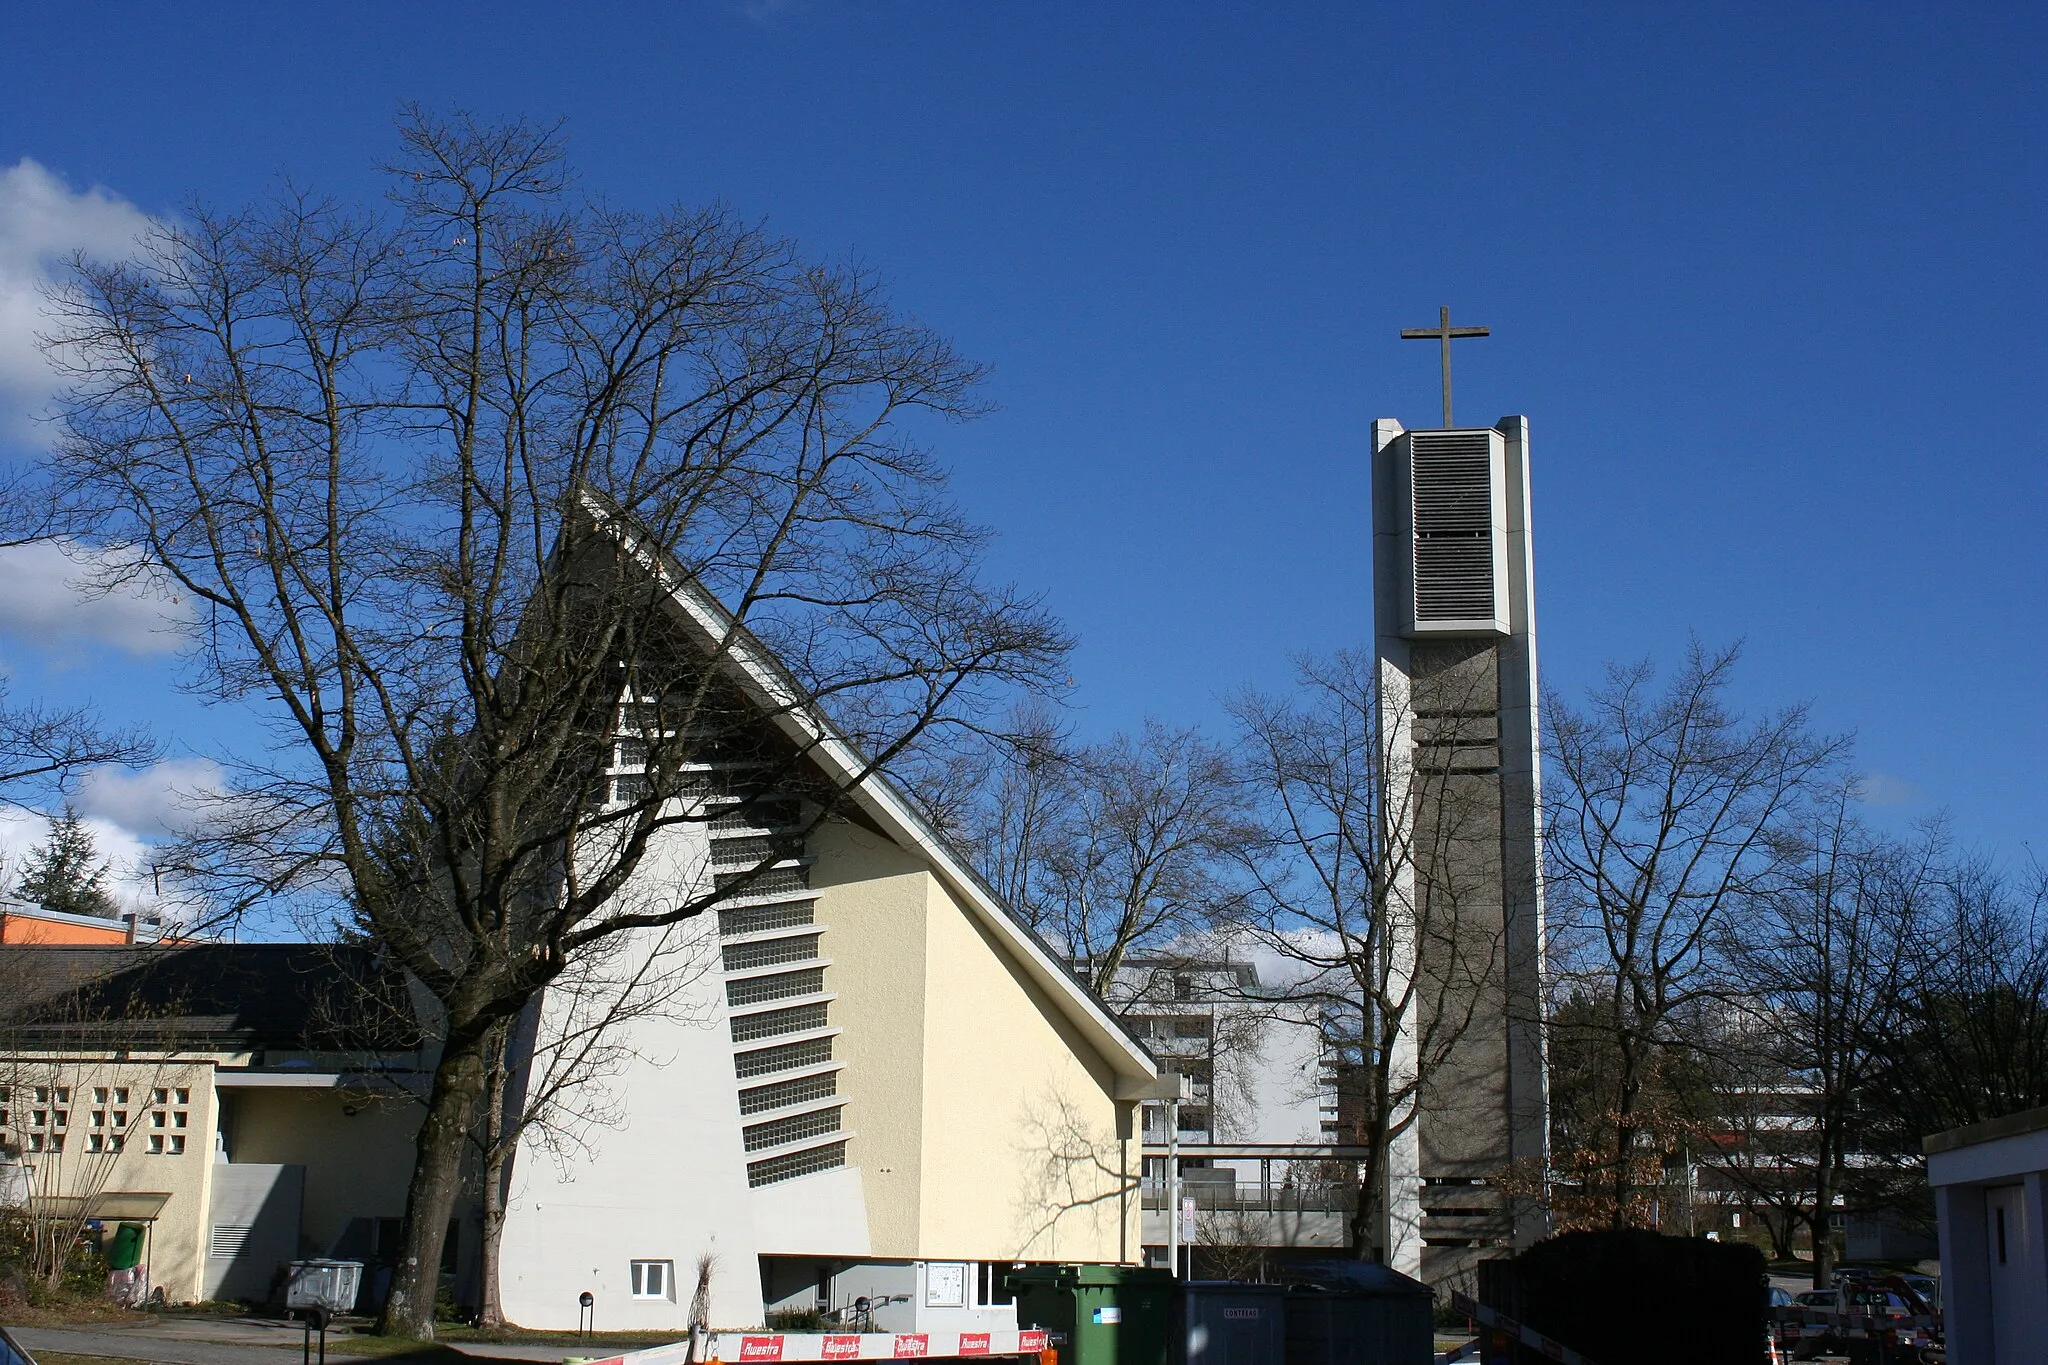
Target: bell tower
[[1455, 640]]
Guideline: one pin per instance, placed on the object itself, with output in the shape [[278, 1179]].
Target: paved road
[[186, 1342]]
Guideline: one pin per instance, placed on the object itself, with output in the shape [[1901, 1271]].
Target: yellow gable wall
[[871, 898], [1026, 1156]]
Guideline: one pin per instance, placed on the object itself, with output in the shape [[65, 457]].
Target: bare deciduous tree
[[1361, 895], [1668, 815], [436, 481], [1824, 969], [1969, 1040], [1113, 849]]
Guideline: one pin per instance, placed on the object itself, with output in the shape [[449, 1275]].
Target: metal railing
[[1223, 1197]]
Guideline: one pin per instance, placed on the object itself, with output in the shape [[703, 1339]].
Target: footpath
[[231, 1341]]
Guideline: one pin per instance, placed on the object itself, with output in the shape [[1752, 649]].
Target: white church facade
[[882, 1088]]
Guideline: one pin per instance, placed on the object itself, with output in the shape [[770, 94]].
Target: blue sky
[[1767, 280]]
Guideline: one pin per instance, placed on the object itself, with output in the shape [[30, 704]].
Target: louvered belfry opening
[[1451, 482]]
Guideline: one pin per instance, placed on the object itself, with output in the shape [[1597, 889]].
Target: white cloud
[[45, 600], [168, 798], [129, 879], [42, 221], [1883, 789]]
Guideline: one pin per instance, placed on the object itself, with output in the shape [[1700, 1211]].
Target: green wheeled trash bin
[[1098, 1314]]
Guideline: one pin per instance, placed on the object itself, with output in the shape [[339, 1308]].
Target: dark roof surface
[[247, 995], [1990, 1130]]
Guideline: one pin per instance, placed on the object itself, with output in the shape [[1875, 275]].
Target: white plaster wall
[[669, 1182], [825, 1214]]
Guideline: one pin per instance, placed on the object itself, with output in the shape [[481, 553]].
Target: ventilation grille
[[229, 1240], [1452, 486]]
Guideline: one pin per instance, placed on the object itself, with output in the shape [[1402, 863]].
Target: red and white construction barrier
[[771, 1348], [1528, 1336], [1903, 1329]]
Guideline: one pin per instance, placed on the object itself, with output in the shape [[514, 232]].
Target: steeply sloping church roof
[[772, 687]]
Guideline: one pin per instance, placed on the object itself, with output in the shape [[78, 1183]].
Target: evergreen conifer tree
[[64, 873]]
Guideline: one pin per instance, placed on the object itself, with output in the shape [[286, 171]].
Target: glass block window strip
[[741, 851], [781, 986], [744, 957], [756, 919], [758, 815], [785, 1093], [827, 1158], [748, 1027], [796, 1128], [775, 882], [788, 1057]]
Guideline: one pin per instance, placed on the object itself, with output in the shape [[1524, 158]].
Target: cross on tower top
[[1444, 333]]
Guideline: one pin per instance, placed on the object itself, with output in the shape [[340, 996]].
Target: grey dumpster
[[331, 1285], [1353, 1313], [1221, 1322]]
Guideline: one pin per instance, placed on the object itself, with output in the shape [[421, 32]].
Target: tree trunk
[[1365, 1214], [436, 1179], [497, 1156], [1823, 1236]]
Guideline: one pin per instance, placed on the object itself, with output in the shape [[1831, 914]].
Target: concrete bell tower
[[1455, 637]]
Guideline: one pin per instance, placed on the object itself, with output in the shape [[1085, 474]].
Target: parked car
[[1927, 1287], [1819, 1298], [1780, 1298]]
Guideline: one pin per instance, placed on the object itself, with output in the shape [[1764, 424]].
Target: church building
[[865, 1088]]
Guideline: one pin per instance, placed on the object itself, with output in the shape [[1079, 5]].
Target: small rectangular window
[[63, 1094], [178, 1119], [156, 1144], [121, 1117], [183, 1095], [159, 1096], [99, 1094], [177, 1144], [56, 1142], [115, 1142], [93, 1142], [120, 1094], [156, 1118], [993, 1285], [63, 1118], [654, 1280]]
